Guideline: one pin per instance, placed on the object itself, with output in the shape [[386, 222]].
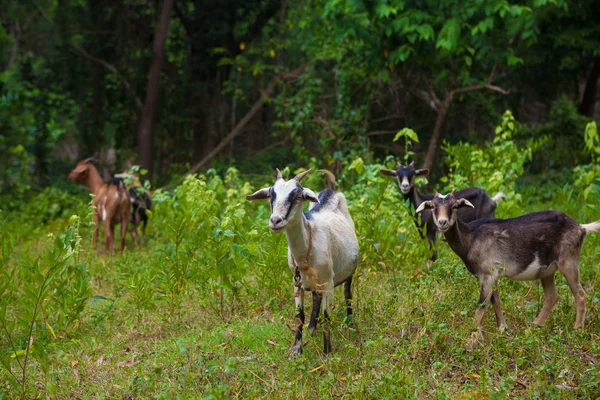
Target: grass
[[205, 310], [407, 340]]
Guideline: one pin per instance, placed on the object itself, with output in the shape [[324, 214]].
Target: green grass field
[[205, 310]]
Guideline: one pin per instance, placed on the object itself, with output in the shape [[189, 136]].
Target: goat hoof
[[312, 329], [296, 351], [502, 328], [475, 339]]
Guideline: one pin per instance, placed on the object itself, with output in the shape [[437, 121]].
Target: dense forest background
[[187, 85]]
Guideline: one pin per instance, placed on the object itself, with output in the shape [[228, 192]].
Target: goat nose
[[443, 222], [276, 220]]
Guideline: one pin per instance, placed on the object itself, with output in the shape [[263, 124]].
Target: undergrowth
[[205, 308]]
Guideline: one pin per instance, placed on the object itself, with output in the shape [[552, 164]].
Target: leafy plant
[[38, 299], [494, 167]]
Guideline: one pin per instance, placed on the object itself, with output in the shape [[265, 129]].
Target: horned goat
[[530, 247], [111, 203], [322, 246], [485, 206]]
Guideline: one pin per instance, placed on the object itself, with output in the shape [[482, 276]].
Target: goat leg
[[500, 322], [327, 300], [487, 289], [571, 274], [348, 298], [550, 299], [96, 229], [299, 320], [326, 333], [123, 233], [316, 310]]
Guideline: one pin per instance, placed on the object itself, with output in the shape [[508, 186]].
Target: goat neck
[[298, 236], [94, 180], [414, 196], [459, 238]]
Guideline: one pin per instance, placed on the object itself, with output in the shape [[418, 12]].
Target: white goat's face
[[286, 198], [443, 209]]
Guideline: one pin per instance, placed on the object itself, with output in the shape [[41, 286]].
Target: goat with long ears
[[485, 206], [530, 247], [322, 246], [111, 202]]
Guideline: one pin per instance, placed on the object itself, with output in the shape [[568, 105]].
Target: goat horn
[[435, 193], [302, 175], [279, 175], [412, 163], [89, 159]]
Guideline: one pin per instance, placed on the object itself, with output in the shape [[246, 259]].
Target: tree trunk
[[151, 104], [438, 133], [588, 102]]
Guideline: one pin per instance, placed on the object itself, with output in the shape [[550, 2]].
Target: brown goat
[[111, 203]]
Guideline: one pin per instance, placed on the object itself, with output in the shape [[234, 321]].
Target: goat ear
[[309, 195], [387, 172], [260, 194], [422, 172], [461, 203], [424, 206]]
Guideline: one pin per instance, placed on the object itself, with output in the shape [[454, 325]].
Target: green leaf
[[408, 133], [449, 35]]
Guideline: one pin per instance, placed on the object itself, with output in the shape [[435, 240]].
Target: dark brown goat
[[111, 203], [141, 203], [485, 206], [530, 247]]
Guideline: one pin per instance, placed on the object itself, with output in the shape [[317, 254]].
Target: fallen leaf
[[74, 363], [272, 343], [317, 368], [471, 376], [100, 360], [127, 363]]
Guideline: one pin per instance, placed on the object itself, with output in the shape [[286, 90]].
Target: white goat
[[322, 246]]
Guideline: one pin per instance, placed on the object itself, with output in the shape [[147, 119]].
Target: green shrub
[[495, 167]]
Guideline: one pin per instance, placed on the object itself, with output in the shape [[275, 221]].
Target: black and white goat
[[485, 206], [322, 246], [141, 203], [530, 247]]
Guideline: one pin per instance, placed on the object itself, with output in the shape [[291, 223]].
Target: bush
[[495, 167]]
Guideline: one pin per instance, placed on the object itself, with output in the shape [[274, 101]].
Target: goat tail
[[499, 196], [593, 227], [330, 178]]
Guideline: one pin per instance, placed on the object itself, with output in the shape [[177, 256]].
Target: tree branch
[[382, 132], [247, 118], [81, 52], [488, 85]]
